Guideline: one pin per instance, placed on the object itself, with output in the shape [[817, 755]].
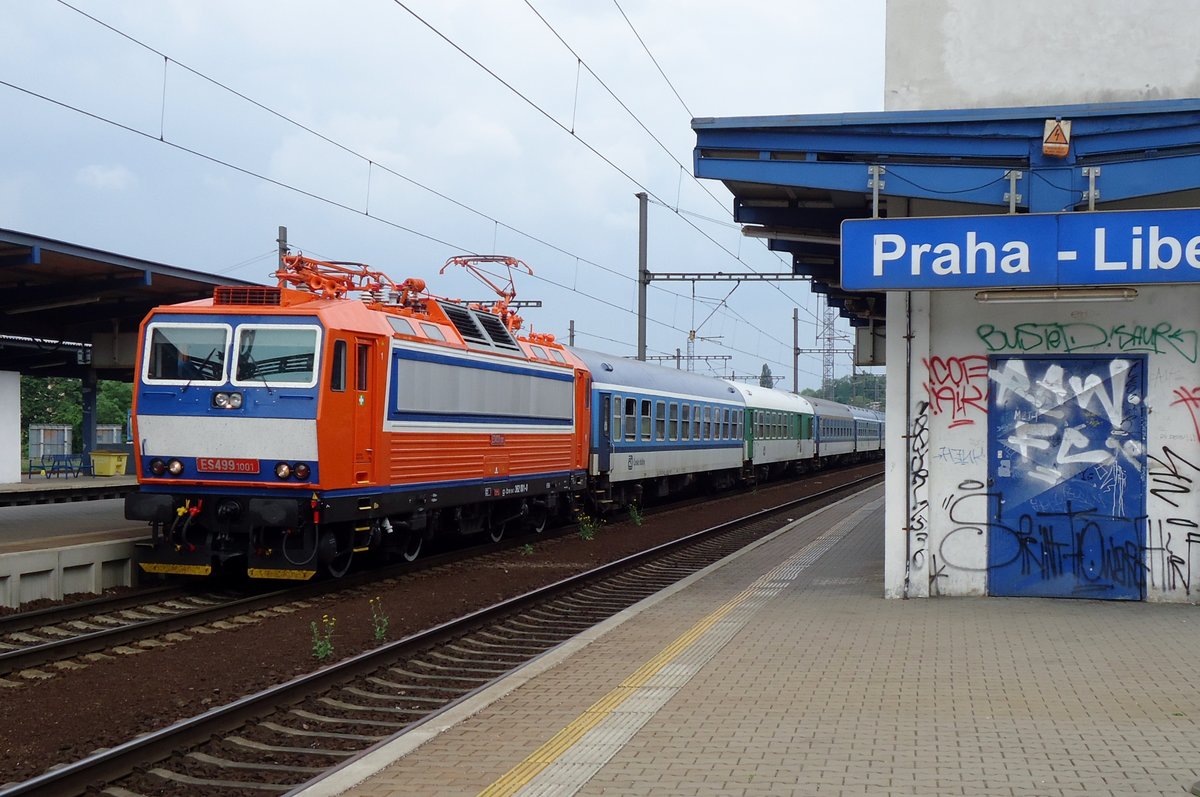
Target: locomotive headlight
[[283, 470], [174, 467], [158, 467], [301, 471], [227, 401]]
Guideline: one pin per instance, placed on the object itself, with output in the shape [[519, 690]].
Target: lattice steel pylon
[[827, 339]]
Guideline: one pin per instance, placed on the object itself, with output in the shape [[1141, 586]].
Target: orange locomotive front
[[291, 429]]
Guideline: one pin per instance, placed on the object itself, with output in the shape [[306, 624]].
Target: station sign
[[1022, 250]]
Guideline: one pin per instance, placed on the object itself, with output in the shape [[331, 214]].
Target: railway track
[[34, 644], [275, 740]]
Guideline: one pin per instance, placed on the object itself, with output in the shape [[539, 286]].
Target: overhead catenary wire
[[167, 61], [575, 135]]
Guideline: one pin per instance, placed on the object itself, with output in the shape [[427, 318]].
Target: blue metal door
[[1067, 469]]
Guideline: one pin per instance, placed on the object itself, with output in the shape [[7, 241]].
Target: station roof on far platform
[[795, 179], [57, 299]]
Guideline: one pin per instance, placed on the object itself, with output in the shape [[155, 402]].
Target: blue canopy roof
[[796, 178]]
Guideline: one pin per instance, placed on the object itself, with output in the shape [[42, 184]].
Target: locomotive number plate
[[226, 465]]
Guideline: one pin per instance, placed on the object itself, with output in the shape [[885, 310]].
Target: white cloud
[[107, 178]]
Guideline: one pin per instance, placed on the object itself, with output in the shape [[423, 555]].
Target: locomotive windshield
[[276, 354], [189, 353]]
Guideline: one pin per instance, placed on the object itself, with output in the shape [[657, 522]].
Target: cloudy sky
[[402, 132]]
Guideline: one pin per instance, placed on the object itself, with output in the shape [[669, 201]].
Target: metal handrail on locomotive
[[291, 429]]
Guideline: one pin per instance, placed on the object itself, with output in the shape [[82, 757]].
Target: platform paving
[[784, 672]]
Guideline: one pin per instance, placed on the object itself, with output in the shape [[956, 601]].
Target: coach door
[[604, 439], [1066, 467], [364, 428]]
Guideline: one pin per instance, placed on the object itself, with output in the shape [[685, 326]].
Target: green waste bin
[[108, 463]]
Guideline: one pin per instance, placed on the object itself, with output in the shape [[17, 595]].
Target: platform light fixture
[[1036, 295], [782, 234]]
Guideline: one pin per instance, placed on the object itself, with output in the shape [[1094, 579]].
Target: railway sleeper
[[349, 737], [250, 744], [256, 766], [314, 717]]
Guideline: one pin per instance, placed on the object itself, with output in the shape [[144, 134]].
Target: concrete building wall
[[939, 510], [981, 53], [10, 427]]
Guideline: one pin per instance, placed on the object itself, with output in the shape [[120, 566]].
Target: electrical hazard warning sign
[[1056, 141]]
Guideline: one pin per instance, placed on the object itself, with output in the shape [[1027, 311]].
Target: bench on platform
[[66, 465]]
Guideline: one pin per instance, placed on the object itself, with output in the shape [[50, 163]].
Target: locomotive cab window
[[276, 355], [362, 376], [337, 368], [186, 353]]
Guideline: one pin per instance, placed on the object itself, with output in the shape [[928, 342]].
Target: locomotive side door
[[364, 428], [604, 438]]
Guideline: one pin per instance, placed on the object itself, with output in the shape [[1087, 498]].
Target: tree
[[58, 400], [765, 380], [860, 390]]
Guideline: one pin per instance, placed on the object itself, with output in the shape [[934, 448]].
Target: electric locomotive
[[291, 428]]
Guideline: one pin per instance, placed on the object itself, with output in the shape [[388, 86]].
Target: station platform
[[74, 540], [782, 671], [64, 487]]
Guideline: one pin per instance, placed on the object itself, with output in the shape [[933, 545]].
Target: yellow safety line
[[520, 775]]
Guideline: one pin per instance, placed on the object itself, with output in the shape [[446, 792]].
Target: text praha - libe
[[1143, 248]]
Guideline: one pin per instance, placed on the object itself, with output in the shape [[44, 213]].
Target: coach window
[[618, 422], [707, 425], [647, 421], [674, 427], [337, 369], [696, 421], [631, 419], [660, 420], [686, 423]]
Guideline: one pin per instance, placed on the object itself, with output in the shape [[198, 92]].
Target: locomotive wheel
[[496, 531], [412, 547], [334, 556], [538, 516]]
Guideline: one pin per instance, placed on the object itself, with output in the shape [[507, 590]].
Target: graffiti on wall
[[917, 522], [1081, 337], [1189, 397], [1067, 462], [958, 386], [1174, 537]]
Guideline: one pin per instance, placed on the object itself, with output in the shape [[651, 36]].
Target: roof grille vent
[[257, 295], [464, 323], [496, 330]]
